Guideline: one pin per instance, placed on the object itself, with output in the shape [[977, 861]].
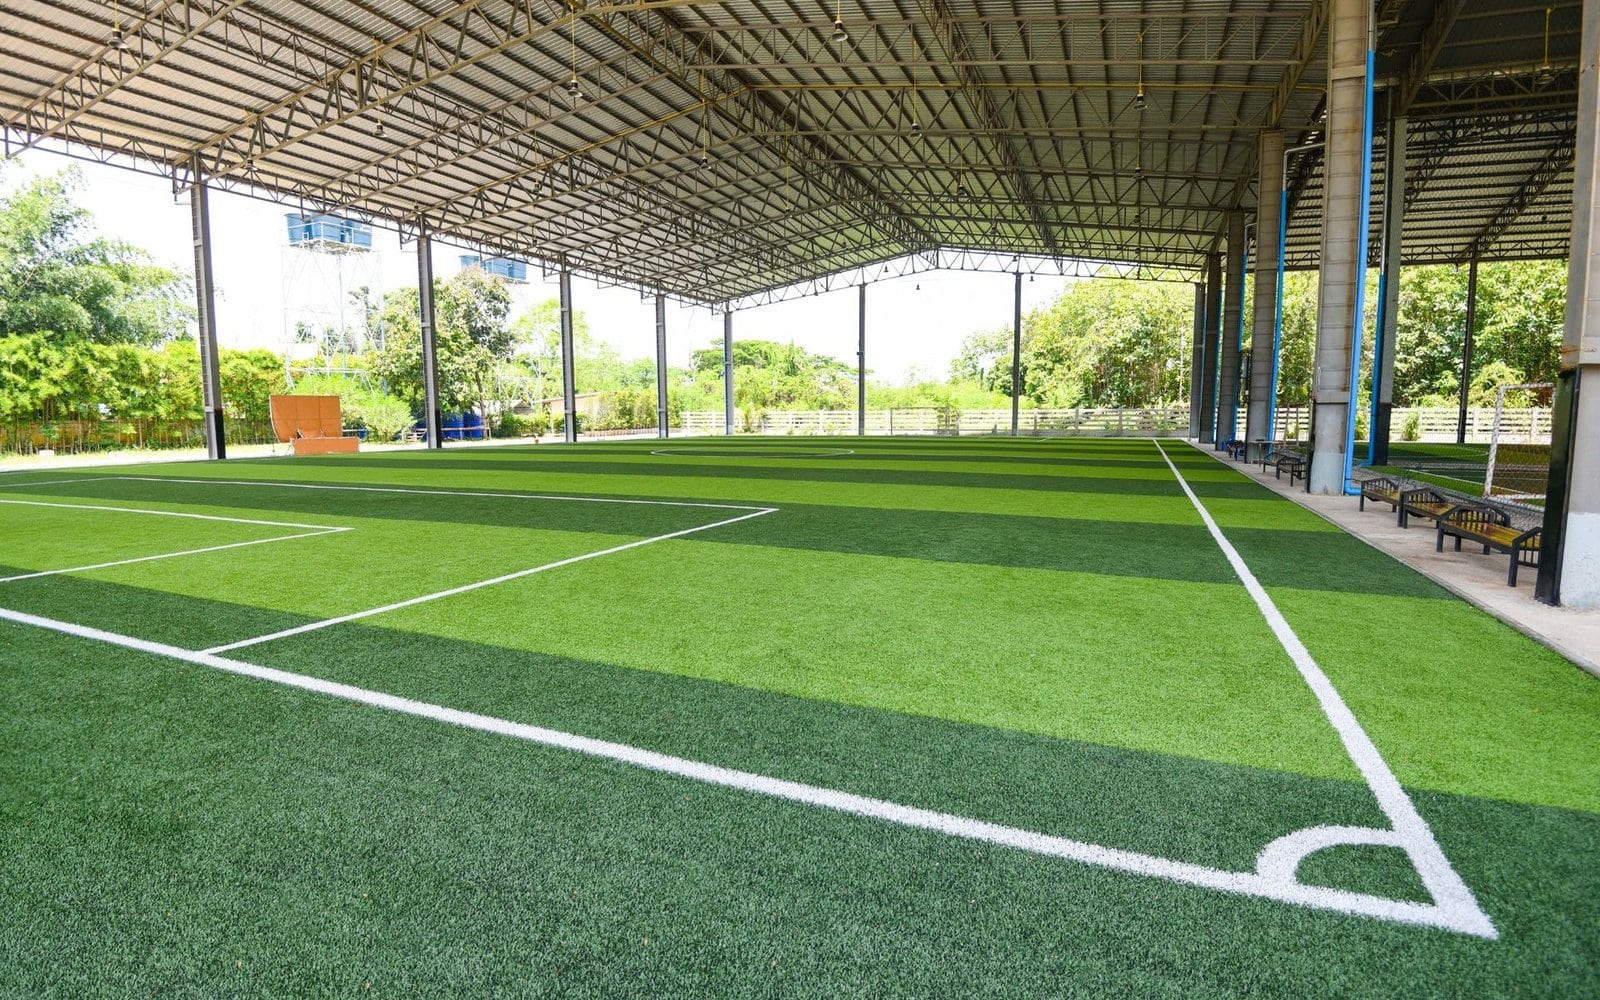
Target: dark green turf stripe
[[172, 831]]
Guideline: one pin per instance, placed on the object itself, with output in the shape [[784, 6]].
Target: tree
[[56, 278], [472, 338]]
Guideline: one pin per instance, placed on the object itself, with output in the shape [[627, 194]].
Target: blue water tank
[[505, 267], [306, 229]]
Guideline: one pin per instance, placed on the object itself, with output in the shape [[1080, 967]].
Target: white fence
[[1429, 424]]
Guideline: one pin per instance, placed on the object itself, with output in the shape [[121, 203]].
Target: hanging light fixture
[[119, 41], [839, 34], [1139, 102], [573, 88], [1545, 76], [377, 129]]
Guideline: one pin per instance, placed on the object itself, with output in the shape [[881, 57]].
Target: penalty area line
[[1255, 884], [468, 587]]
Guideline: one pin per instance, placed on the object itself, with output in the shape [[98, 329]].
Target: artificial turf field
[[933, 717]]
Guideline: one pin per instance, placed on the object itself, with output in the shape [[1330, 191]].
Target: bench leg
[[1439, 546], [1511, 577], [1458, 543], [1363, 505]]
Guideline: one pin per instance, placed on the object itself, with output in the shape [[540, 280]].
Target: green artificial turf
[[1036, 633]]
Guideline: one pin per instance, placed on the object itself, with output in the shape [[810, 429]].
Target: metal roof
[[721, 152]]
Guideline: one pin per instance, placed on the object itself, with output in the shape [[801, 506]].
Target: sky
[[915, 324]]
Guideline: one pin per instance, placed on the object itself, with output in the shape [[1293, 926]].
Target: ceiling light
[[916, 127], [574, 89], [1545, 76], [118, 40], [839, 34], [1139, 103], [377, 130]]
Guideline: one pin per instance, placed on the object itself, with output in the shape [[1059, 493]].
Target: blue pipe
[[1277, 314], [1364, 228]]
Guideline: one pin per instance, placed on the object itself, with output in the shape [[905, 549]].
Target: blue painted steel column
[[727, 373], [663, 410], [1213, 338], [1384, 331], [1016, 353]]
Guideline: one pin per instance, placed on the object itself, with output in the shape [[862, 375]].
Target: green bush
[[385, 417], [1411, 427]]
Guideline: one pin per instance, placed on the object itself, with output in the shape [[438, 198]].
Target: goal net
[[1519, 446]]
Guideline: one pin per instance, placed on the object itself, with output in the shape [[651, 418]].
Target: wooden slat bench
[[1493, 530], [1286, 460], [1382, 489], [1425, 502]]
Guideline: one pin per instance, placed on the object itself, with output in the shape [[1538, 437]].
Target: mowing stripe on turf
[[55, 482], [504, 578], [1269, 882], [1449, 892], [440, 493]]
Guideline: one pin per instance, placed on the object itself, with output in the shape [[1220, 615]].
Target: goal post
[[1519, 445]]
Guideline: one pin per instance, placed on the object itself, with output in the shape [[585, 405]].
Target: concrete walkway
[[1476, 578]]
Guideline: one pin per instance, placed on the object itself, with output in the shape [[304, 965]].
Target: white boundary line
[[1411, 831], [315, 530], [465, 588], [1273, 880], [1453, 909]]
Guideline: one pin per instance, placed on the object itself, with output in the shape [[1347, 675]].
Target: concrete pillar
[[861, 359], [1466, 350], [569, 373], [727, 373], [206, 313], [1016, 353], [662, 402], [1388, 325], [1572, 508], [1208, 367], [1343, 255], [1197, 358], [1265, 307], [432, 419], [1232, 333]]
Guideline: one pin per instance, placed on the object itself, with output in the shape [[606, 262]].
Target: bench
[[1382, 489], [1285, 459], [1425, 502], [1492, 529]]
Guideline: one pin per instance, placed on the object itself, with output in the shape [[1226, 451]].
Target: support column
[[206, 313], [1572, 507], [1197, 358], [861, 360], [432, 420], [569, 374], [1466, 350], [1345, 169], [727, 373], [662, 402], [1232, 333], [1264, 309], [1016, 353], [1208, 368], [1388, 324]]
